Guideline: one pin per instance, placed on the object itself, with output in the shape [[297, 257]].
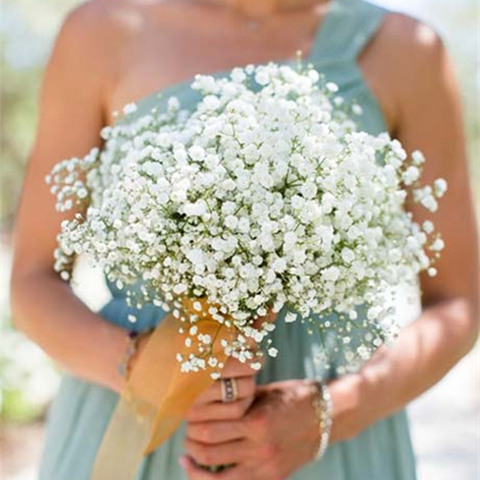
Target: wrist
[[348, 398], [136, 343], [324, 409], [119, 342], [128, 346]]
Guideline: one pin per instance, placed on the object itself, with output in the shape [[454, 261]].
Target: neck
[[260, 9]]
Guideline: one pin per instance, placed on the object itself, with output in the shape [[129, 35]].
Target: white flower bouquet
[[263, 197]]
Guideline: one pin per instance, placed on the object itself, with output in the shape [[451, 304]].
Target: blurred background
[[445, 421]]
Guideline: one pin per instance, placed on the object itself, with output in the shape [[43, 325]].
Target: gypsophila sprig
[[259, 198]]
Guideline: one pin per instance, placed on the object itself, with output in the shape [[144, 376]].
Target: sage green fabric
[[81, 410]]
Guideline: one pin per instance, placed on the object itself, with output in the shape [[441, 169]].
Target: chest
[[170, 50]]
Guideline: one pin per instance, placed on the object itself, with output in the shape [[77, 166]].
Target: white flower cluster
[[264, 196]]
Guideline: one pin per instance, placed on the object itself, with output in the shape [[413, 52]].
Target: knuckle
[[206, 434], [244, 371], [259, 423], [198, 432], [267, 451], [244, 367], [232, 367], [238, 409]]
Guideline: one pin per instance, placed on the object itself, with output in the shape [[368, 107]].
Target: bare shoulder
[[100, 27], [411, 45], [118, 16], [406, 61], [408, 31], [97, 42]]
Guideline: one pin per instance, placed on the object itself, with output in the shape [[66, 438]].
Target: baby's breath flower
[[437, 245], [331, 87], [418, 157], [253, 201], [357, 109], [262, 77], [129, 108], [440, 187]]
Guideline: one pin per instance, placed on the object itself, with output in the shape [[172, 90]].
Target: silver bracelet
[[324, 408]]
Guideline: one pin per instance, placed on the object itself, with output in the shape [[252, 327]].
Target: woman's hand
[[209, 406], [277, 436]]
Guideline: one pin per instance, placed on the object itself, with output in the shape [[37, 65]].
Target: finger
[[218, 411], [219, 454], [245, 388], [216, 432], [258, 324], [196, 472]]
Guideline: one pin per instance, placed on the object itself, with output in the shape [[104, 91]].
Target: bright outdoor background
[[445, 421]]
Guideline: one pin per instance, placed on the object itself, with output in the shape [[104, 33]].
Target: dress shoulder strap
[[347, 28]]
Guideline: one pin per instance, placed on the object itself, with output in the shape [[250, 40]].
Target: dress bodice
[[348, 26]]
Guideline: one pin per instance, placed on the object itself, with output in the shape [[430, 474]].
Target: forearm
[[423, 353], [47, 311]]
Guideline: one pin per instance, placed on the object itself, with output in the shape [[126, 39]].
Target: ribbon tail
[[156, 397], [122, 447]]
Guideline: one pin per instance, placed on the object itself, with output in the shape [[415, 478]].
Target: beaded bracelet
[[130, 350], [324, 408]]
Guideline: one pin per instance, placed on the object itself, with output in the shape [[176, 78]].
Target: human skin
[[111, 53]]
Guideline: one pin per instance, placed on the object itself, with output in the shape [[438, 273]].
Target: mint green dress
[[81, 411]]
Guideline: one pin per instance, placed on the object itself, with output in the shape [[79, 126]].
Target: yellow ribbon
[[157, 394]]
